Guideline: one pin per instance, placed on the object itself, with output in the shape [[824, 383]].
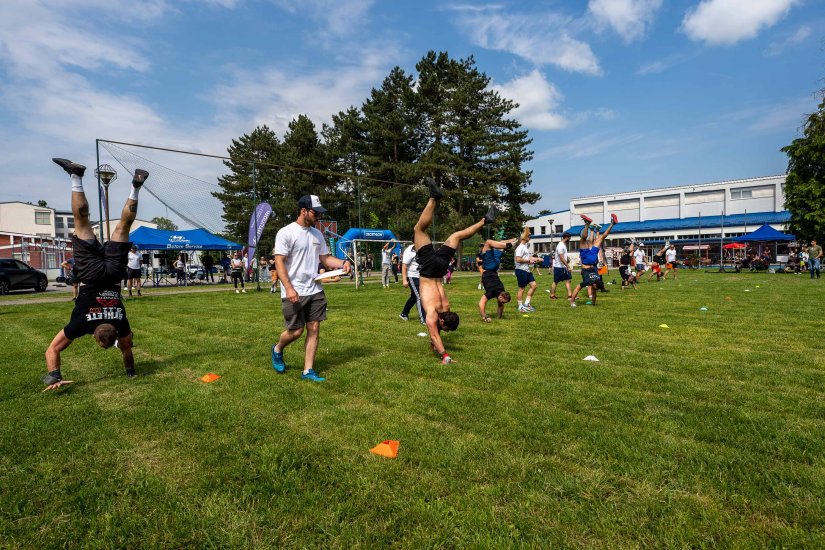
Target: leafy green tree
[[41, 202], [805, 183], [164, 223]]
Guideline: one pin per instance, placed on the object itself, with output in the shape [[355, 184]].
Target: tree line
[[368, 164]]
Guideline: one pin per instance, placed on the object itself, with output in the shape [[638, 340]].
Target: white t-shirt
[[411, 259], [386, 257], [302, 248], [523, 252], [179, 264], [561, 252], [134, 261], [670, 255], [639, 254]]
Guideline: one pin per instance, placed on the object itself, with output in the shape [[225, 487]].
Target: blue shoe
[[278, 361], [312, 375]]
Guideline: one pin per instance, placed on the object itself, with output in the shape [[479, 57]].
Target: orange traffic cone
[[388, 448], [209, 378]]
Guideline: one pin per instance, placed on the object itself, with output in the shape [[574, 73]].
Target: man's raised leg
[[80, 206], [455, 238], [420, 236], [127, 216]]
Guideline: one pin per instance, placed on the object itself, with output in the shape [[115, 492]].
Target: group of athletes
[[299, 249]]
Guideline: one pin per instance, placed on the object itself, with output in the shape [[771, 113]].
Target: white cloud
[[537, 99], [724, 22], [797, 38], [340, 17], [589, 146], [661, 65], [56, 108], [544, 38], [783, 117], [629, 18]]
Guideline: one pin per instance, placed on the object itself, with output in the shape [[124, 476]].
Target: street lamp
[[106, 174]]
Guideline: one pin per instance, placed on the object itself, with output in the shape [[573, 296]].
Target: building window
[[543, 230], [559, 228], [532, 230], [59, 223], [43, 218], [740, 194]]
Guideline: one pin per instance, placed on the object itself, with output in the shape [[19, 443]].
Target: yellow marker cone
[[209, 378], [388, 448], [663, 326]]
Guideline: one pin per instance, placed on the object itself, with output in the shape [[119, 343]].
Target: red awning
[[734, 245]]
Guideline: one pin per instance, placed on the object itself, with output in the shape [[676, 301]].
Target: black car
[[15, 275]]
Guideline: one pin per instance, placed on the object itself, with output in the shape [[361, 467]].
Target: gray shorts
[[308, 308]]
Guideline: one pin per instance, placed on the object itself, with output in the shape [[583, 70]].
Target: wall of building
[[20, 217]]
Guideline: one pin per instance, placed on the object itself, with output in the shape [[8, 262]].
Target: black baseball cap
[[311, 202], [566, 234]]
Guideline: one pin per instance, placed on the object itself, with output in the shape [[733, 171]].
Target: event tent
[[146, 238], [766, 233]]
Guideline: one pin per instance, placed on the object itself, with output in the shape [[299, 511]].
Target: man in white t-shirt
[[561, 267], [670, 261], [386, 264], [410, 278], [524, 275], [639, 256], [133, 267], [299, 248]]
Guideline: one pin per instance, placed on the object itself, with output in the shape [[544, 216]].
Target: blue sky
[[617, 94]]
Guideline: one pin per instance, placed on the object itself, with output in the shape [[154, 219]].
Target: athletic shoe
[[244, 291], [523, 309], [529, 308], [312, 375], [278, 361], [139, 177], [480, 287], [586, 219], [572, 303], [595, 227], [435, 191], [614, 219], [403, 317], [491, 214], [49, 379], [237, 291], [71, 168]]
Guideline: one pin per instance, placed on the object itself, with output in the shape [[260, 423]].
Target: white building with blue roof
[[698, 218]]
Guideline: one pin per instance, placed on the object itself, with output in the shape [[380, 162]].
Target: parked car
[[15, 275]]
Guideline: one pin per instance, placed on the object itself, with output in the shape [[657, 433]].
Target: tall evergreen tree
[[805, 184], [263, 147], [391, 149], [345, 144]]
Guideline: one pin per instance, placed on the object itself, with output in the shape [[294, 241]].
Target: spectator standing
[[133, 267], [238, 273], [386, 265], [208, 261], [70, 272], [814, 258]]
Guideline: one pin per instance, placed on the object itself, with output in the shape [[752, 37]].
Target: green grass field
[[708, 433]]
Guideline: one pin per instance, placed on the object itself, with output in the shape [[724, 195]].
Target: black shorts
[[433, 264], [624, 271], [492, 284], [134, 273], [98, 264], [590, 277]]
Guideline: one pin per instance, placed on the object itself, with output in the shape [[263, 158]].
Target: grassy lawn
[[708, 433]]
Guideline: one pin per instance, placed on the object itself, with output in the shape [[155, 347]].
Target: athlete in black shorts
[[433, 266], [491, 252], [99, 309]]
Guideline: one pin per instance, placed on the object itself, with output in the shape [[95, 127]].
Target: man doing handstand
[[98, 309], [589, 248], [433, 266], [491, 252]]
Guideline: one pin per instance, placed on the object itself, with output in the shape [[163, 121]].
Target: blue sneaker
[[278, 361], [312, 375]]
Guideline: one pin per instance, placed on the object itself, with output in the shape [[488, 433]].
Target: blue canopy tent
[[766, 233], [146, 238], [191, 239]]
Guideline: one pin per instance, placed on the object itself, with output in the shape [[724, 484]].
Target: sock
[[527, 301], [77, 183], [520, 303], [134, 194]]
